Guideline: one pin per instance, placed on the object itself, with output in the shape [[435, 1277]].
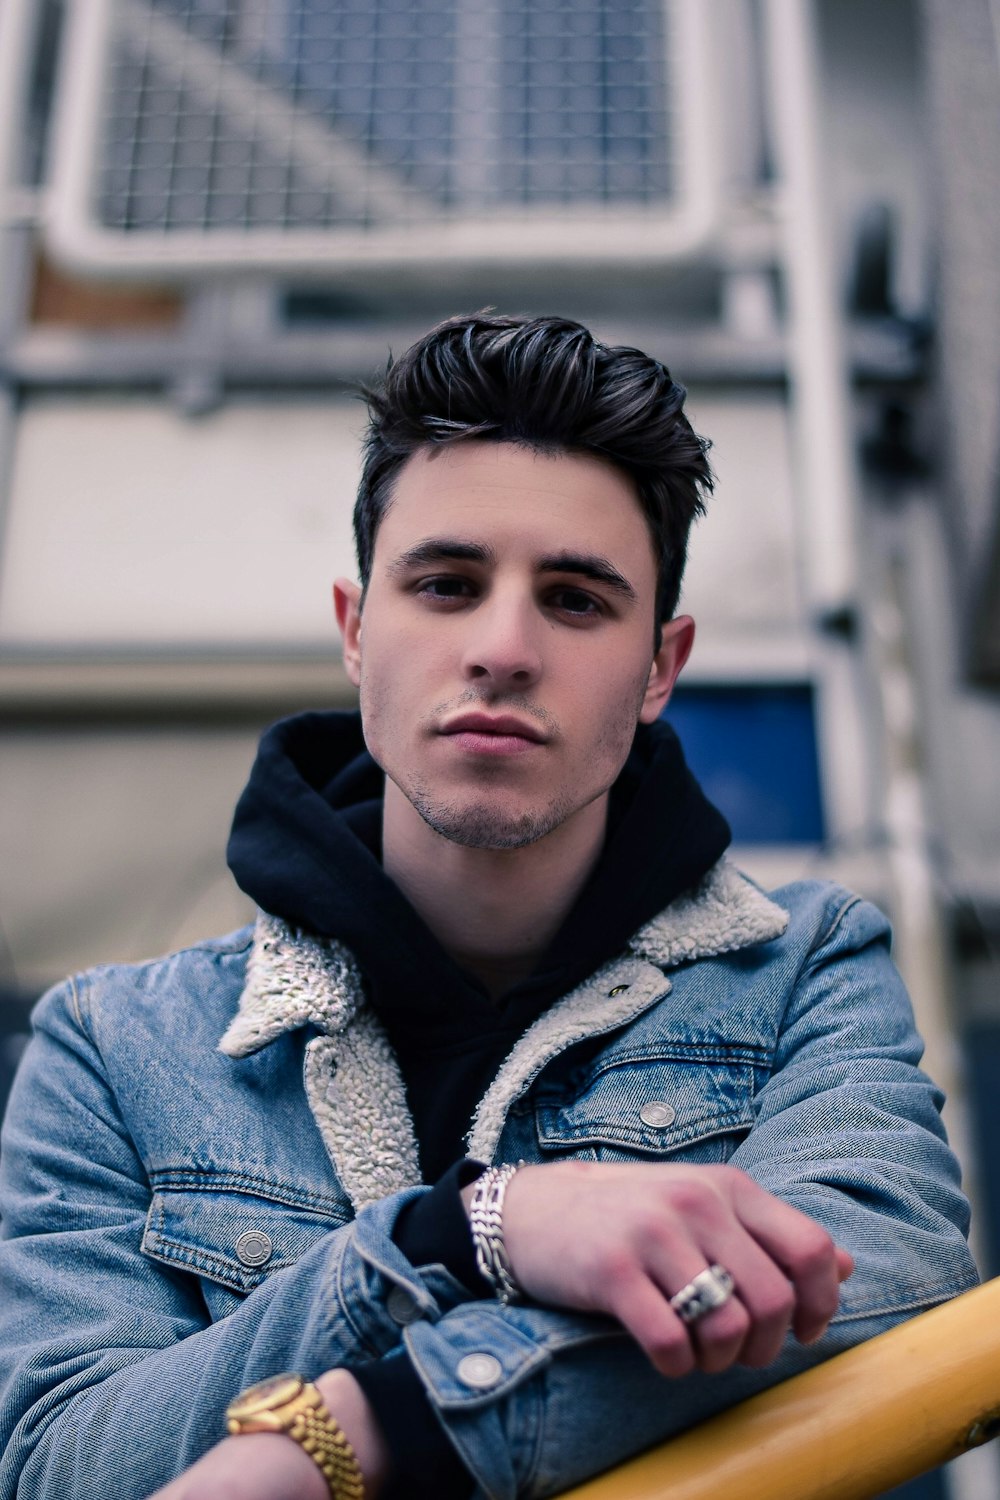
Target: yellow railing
[[847, 1430]]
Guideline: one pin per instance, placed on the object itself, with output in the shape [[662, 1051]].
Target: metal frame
[[863, 1422], [578, 237]]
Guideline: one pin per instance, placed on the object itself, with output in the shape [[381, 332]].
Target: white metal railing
[[165, 132]]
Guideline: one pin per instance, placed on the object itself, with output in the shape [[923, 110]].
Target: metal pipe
[[849, 1429], [19, 22], [816, 356], [820, 389]]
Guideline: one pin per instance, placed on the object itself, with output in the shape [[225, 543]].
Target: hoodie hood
[[306, 846]]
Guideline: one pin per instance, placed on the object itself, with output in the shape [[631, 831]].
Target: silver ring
[[710, 1289]]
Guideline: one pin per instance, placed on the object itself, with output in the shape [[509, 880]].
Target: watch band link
[[329, 1449]]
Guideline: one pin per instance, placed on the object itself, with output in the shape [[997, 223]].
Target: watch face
[[266, 1395]]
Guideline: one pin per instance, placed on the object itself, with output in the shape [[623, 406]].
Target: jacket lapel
[[723, 913], [352, 1079]]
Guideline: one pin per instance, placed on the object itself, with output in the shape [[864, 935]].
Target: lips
[[503, 726]]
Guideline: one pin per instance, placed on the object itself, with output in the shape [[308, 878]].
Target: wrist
[[347, 1402], [486, 1224], [275, 1454]]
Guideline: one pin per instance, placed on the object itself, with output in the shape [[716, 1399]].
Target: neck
[[494, 911]]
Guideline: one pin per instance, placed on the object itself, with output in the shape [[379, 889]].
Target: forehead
[[524, 499]]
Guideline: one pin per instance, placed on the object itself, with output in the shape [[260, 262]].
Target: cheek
[[392, 696], [376, 695], [617, 710]]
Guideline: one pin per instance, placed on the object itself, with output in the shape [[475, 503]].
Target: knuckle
[[685, 1195], [815, 1250], [735, 1182], [648, 1223], [613, 1272], [699, 1202], [775, 1305], [727, 1325], [670, 1352]]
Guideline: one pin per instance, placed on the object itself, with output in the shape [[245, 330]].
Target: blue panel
[[753, 748]]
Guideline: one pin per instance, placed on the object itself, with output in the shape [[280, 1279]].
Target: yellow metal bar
[[847, 1430]]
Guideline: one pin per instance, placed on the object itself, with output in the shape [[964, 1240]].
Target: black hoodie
[[306, 845]]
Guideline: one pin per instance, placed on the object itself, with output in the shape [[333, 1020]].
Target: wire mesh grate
[[368, 114]]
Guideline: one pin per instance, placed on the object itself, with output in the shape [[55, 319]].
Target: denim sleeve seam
[[534, 1461], [75, 985], [886, 1309], [343, 1302], [853, 899]]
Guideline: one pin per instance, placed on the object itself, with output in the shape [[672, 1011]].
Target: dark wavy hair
[[548, 384]]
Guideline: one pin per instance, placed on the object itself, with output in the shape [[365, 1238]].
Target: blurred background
[[218, 216]]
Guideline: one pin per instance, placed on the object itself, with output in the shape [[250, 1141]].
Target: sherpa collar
[[353, 1082], [725, 912]]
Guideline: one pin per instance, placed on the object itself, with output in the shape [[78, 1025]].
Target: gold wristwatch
[[287, 1403]]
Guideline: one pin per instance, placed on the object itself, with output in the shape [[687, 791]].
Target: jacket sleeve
[[846, 1128], [113, 1377]]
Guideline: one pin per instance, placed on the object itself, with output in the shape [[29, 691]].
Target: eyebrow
[[447, 549], [588, 565], [441, 549]]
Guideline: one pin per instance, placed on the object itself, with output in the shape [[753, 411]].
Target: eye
[[575, 602], [445, 586]]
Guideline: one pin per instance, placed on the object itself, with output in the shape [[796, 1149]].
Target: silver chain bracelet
[[486, 1223]]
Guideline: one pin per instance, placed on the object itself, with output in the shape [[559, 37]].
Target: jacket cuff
[[425, 1466], [434, 1228]]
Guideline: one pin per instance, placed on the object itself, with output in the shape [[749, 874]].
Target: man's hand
[[623, 1239], [271, 1466]]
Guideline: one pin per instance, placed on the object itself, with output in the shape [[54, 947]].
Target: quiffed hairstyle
[[549, 384]]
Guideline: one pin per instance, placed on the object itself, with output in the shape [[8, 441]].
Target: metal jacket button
[[401, 1307], [657, 1114], [254, 1248], [479, 1370]]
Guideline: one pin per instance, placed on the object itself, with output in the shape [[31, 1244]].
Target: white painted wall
[[131, 525], [128, 524]]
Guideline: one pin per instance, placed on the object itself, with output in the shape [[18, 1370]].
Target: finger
[[718, 1335], [766, 1295], [645, 1313], [803, 1250]]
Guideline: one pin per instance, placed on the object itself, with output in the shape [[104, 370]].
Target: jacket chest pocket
[[232, 1239], [696, 1110]]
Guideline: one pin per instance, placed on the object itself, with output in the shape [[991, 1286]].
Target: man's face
[[505, 650]]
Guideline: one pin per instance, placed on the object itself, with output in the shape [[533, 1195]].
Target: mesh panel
[[319, 114]]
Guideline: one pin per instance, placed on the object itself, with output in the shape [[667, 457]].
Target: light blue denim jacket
[[181, 1219]]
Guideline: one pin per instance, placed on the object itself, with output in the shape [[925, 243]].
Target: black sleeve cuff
[[434, 1228], [425, 1466]]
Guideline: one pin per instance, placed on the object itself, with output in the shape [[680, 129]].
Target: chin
[[480, 826]]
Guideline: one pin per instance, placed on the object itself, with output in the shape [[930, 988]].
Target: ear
[[347, 608], [675, 648]]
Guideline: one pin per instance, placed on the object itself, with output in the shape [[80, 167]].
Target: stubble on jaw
[[486, 826], [485, 821]]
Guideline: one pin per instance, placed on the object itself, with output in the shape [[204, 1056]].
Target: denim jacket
[[181, 1218]]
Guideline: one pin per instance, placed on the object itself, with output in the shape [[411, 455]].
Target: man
[[496, 928]]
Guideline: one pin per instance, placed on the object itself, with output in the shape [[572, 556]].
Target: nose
[[502, 648]]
